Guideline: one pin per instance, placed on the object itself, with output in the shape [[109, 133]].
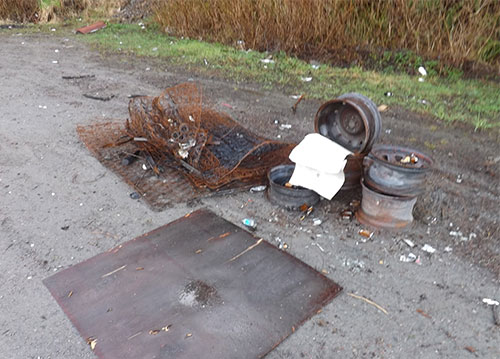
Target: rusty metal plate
[[159, 192], [199, 287]]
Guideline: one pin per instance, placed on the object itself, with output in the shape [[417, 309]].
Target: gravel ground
[[60, 206]]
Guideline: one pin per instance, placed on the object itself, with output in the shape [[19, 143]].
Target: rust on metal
[[352, 120], [385, 211], [91, 28], [396, 170], [178, 133], [184, 304]]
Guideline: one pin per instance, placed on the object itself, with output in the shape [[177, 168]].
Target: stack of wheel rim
[[353, 121], [393, 178]]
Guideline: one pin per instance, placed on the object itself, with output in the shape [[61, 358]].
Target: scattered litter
[[55, 62], [448, 249], [489, 301], [154, 331], [267, 61], [408, 259], [258, 189], [388, 94], [427, 248], [317, 221], [422, 71], [306, 211], [388, 131], [294, 107], [315, 66], [285, 126], [249, 223], [296, 97], [92, 342], [369, 302], [65, 228], [355, 203], [306, 79], [281, 244], [421, 312], [383, 108], [365, 233], [154, 49], [409, 243], [227, 105], [459, 179], [421, 79], [144, 167], [135, 195], [347, 214], [319, 247], [91, 28]]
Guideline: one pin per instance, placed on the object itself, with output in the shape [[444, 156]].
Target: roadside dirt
[[60, 206]]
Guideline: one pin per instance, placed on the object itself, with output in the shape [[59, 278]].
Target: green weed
[[471, 101]]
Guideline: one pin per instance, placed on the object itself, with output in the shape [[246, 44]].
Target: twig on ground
[[246, 250], [369, 302]]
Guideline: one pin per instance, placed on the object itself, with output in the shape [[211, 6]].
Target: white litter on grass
[[315, 67], [306, 79], [422, 71], [155, 49], [267, 61], [490, 301], [427, 248], [421, 79], [295, 97]]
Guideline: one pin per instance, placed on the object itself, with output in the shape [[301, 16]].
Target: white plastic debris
[[421, 79], [317, 221], [408, 259], [267, 61], [422, 71], [448, 249], [409, 243], [258, 189], [295, 97], [306, 79], [285, 126], [490, 301], [427, 248], [319, 165], [155, 49], [315, 66]]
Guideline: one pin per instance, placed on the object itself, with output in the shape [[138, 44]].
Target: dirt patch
[[60, 206]]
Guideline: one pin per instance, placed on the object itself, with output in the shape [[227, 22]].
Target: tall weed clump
[[54, 10], [19, 10], [456, 32]]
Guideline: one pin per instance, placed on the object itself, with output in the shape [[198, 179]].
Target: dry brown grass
[[53, 11], [18, 10], [454, 31]]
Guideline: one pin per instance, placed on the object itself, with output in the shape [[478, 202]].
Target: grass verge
[[475, 102]]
